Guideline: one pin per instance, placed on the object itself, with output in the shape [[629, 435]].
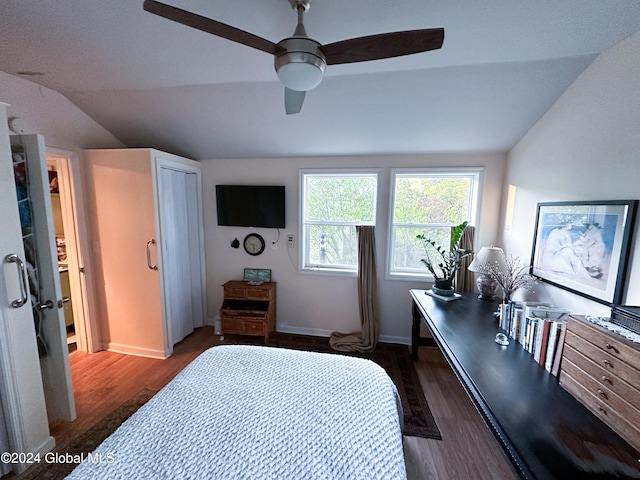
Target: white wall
[[586, 147], [321, 303], [63, 125]]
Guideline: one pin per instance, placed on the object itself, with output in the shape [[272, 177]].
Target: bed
[[253, 412]]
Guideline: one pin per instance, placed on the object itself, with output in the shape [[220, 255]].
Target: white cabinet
[[148, 243]]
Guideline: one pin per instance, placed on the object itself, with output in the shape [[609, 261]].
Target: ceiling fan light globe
[[300, 75], [301, 66]]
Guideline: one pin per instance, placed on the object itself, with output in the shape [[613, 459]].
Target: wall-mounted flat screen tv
[[251, 205]]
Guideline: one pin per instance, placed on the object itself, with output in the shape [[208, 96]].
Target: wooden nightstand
[[249, 309]]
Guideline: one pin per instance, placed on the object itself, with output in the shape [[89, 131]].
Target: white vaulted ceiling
[[155, 83]]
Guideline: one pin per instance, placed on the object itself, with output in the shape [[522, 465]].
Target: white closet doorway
[[179, 207], [69, 224]]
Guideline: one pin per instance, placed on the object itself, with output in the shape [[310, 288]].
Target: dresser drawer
[[259, 294], [233, 292], [619, 404], [253, 327], [610, 363], [609, 416], [243, 325], [602, 377], [605, 341], [249, 292]]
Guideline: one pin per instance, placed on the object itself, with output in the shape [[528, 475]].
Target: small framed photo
[[257, 275], [264, 275], [250, 275], [583, 247]]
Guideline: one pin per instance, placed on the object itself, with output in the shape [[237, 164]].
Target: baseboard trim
[[41, 450], [137, 351]]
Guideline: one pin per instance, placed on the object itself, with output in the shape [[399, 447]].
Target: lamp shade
[[489, 258]]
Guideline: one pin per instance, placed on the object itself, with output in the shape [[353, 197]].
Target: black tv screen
[[251, 205]]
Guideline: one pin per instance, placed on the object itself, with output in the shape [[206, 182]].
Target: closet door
[[4, 443], [181, 253], [21, 392], [44, 278]]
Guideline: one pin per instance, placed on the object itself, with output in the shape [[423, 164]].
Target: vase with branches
[[511, 275], [443, 263]]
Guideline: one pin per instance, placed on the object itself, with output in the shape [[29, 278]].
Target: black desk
[[544, 431]]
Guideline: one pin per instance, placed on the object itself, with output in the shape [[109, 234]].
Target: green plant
[[444, 263]]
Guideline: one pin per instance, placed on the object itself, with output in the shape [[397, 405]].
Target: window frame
[[304, 266], [477, 174]]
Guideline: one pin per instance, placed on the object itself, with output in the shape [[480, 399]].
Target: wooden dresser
[[249, 309], [602, 370]]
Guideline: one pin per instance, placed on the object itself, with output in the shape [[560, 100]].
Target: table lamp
[[487, 261]]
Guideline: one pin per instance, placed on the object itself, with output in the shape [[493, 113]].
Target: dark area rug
[[396, 360], [88, 441]]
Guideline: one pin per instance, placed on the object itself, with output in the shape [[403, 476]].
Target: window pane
[[341, 198], [408, 250], [430, 203], [435, 199], [332, 245], [333, 204]]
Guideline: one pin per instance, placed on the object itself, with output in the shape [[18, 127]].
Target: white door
[[21, 392], [44, 280], [181, 254], [4, 442]]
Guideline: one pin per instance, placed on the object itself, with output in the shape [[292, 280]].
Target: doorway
[[63, 168]]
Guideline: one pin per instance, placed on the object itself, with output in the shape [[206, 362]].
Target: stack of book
[[539, 328]]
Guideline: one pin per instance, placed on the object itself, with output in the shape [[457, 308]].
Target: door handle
[[63, 301], [149, 243], [24, 280], [43, 306]]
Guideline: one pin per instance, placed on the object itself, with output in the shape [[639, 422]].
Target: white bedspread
[[246, 412]]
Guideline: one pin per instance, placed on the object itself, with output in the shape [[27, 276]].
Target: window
[[427, 201], [333, 203]]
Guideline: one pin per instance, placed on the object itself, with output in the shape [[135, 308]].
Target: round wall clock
[[253, 244]]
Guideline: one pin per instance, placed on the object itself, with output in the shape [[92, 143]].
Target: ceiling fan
[[300, 61]]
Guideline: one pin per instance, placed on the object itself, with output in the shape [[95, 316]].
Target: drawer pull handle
[[606, 379], [611, 347], [608, 363], [602, 410], [602, 393]]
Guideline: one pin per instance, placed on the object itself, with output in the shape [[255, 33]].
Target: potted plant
[[444, 263]]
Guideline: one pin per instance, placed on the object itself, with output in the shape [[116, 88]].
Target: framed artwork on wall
[[584, 246]]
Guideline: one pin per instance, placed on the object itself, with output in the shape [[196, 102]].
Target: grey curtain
[[464, 278], [366, 339]]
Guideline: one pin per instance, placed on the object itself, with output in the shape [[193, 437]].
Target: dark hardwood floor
[[104, 380]]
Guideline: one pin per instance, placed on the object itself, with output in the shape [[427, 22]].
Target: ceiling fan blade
[[293, 100], [210, 26], [384, 45]]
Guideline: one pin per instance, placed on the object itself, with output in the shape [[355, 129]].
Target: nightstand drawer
[[253, 327], [259, 294], [230, 292], [243, 325]]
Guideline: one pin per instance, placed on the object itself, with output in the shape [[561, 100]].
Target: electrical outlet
[[290, 240]]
